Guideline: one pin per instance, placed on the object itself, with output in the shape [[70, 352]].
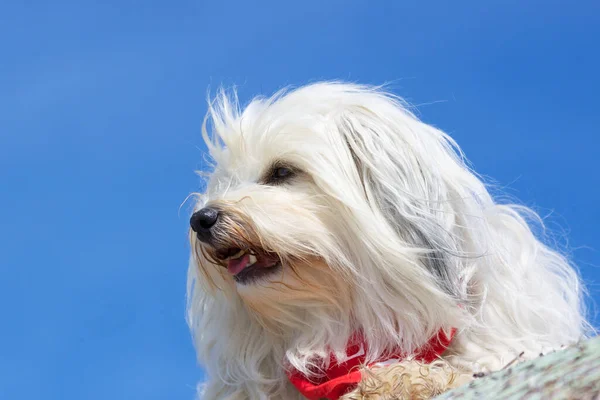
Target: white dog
[[343, 246]]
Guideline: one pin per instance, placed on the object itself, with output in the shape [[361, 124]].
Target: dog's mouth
[[247, 265]]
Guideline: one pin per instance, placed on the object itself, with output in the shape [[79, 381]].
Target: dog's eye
[[279, 174], [282, 172]]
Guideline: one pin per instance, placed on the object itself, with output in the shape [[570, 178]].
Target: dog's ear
[[398, 183]]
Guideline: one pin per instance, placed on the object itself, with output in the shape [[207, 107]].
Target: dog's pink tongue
[[236, 265]]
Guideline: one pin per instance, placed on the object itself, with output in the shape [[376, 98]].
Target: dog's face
[[317, 197], [267, 227]]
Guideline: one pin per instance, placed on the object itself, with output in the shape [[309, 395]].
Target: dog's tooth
[[251, 259], [239, 254]]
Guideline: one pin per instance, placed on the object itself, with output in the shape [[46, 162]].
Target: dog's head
[[331, 197]]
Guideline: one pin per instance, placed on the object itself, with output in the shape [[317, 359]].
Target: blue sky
[[100, 112]]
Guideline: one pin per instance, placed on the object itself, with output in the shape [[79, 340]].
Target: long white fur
[[382, 193]]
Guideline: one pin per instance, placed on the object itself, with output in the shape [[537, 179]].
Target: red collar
[[340, 378]]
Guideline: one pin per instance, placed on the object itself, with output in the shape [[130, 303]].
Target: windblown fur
[[383, 229]]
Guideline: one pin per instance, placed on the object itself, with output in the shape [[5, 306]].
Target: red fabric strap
[[341, 378]]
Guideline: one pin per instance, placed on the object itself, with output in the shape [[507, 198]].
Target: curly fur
[[383, 229], [408, 380]]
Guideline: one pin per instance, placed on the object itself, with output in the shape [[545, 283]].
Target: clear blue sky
[[100, 112]]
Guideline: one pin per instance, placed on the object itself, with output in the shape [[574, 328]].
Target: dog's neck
[[343, 374]]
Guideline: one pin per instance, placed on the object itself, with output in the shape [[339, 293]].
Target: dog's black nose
[[204, 219]]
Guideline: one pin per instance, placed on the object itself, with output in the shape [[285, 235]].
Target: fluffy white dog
[[344, 249]]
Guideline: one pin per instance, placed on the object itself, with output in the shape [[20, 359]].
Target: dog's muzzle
[[202, 222]]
